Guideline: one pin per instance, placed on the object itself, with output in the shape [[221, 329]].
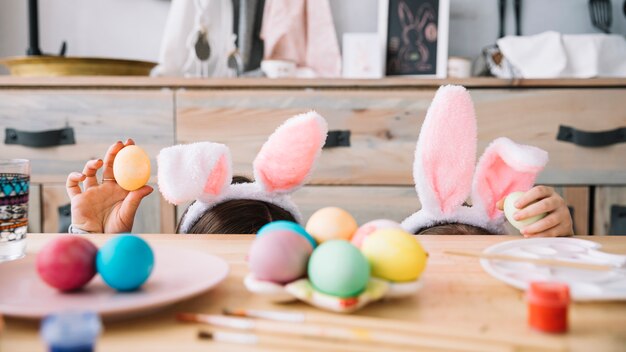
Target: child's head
[[202, 172], [454, 229], [237, 216]]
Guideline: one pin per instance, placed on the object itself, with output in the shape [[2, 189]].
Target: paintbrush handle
[[399, 326], [546, 262], [358, 335]]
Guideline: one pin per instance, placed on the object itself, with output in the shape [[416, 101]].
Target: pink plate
[[176, 276]]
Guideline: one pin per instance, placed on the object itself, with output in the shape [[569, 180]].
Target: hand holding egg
[[544, 213], [104, 206], [131, 168], [510, 210]]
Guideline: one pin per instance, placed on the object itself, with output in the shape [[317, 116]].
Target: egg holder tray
[[585, 285], [303, 290]]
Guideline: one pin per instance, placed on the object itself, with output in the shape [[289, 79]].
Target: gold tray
[[38, 66]]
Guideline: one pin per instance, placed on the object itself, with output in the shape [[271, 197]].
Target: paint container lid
[[71, 331], [547, 306]]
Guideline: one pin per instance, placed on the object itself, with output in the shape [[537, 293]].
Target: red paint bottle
[[547, 306]]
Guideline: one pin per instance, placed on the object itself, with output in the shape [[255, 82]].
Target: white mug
[[278, 68]]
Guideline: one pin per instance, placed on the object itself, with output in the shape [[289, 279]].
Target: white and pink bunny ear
[[289, 155], [505, 167], [446, 151], [195, 171]]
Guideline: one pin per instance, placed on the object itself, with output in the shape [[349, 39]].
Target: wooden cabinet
[[372, 177]]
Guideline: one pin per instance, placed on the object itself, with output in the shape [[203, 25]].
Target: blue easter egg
[[289, 226], [125, 262]]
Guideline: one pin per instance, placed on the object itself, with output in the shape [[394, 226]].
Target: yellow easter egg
[[394, 255], [331, 223], [131, 168]]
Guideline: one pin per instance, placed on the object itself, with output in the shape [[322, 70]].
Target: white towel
[[185, 19], [554, 55]]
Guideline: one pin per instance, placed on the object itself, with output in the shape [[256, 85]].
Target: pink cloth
[[302, 31]]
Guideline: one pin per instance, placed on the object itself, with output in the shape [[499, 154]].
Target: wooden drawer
[[98, 119], [385, 126], [610, 214], [154, 214]]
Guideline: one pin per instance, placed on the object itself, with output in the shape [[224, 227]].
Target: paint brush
[[345, 334], [400, 326], [536, 261], [286, 342]]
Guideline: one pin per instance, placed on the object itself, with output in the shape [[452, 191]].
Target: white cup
[[278, 68], [459, 67]]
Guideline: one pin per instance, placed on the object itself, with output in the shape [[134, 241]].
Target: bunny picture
[[445, 173], [413, 49], [203, 171]]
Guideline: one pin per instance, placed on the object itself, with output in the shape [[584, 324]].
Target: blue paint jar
[[71, 331]]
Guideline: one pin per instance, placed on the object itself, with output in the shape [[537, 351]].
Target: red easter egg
[[67, 263]]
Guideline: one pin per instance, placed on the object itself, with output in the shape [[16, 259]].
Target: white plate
[[178, 274], [585, 285]]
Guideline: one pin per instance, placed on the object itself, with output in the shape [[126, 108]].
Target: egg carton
[[303, 290]]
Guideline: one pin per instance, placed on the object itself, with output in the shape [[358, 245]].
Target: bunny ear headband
[[445, 161], [203, 171]]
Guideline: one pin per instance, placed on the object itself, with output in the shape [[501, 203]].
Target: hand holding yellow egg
[[131, 168]]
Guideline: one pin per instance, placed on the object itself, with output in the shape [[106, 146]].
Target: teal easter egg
[[289, 226], [125, 262], [339, 269]]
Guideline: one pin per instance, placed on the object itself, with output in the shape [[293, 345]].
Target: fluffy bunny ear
[[446, 151], [288, 157], [195, 171], [505, 167]]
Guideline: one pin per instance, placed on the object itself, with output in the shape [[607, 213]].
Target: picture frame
[[413, 37]]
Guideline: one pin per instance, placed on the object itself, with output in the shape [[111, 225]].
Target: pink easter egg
[[280, 256], [369, 227], [67, 263]]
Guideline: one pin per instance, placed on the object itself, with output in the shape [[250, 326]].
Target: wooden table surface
[[457, 295]]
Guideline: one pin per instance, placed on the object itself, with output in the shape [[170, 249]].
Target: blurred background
[[134, 28]]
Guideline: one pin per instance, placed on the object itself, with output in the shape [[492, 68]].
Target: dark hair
[[453, 229], [237, 216]]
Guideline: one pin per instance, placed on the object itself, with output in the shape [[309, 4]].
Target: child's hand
[[538, 200], [103, 207]]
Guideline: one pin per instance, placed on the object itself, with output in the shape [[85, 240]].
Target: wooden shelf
[[107, 82]]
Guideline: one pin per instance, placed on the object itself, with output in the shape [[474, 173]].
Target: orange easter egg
[[131, 168], [331, 223]]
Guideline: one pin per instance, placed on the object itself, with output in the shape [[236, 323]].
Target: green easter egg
[[339, 269]]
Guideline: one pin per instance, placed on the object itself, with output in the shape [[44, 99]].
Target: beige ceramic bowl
[[42, 66]]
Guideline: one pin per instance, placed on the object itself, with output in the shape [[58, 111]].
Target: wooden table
[[457, 295]]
